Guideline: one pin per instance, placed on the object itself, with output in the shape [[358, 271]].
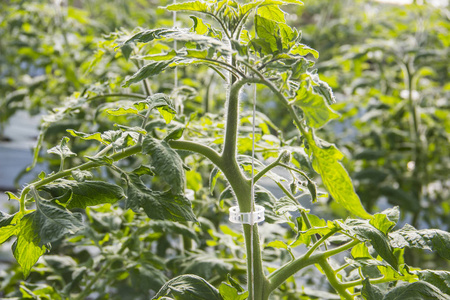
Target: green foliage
[[189, 286], [168, 238], [73, 194]]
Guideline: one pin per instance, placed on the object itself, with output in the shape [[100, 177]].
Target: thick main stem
[[257, 282]]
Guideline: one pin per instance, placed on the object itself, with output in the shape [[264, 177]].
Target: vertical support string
[[175, 83], [178, 106], [252, 188]]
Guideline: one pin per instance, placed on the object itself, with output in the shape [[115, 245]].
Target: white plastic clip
[[245, 218]]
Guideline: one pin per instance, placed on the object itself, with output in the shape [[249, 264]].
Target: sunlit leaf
[[303, 50], [335, 177], [363, 230], [199, 26], [429, 239], [86, 136], [121, 111], [26, 248], [195, 6], [317, 111], [62, 149], [272, 12], [230, 293]]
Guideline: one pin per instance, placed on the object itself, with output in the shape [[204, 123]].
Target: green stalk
[[241, 186], [326, 268], [282, 274]]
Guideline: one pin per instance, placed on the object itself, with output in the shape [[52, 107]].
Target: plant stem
[[257, 282], [266, 169], [206, 151], [332, 279], [326, 268], [354, 283], [289, 269]]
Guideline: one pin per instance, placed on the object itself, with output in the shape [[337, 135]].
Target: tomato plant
[[151, 147]]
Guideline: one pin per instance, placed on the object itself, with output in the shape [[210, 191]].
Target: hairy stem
[[289, 269]]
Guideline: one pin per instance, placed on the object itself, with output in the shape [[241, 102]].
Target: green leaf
[[361, 251], [86, 136], [286, 204], [38, 291], [157, 205], [335, 177], [150, 35], [322, 88], [62, 149], [204, 265], [172, 227], [416, 290], [160, 56], [129, 130], [12, 196], [427, 239], [167, 163], [196, 6], [215, 173], [371, 292], [86, 193], [363, 230], [202, 42], [266, 30], [112, 137], [189, 287], [199, 26], [26, 248], [266, 199], [81, 175], [143, 170], [5, 219], [102, 160], [272, 12], [440, 279], [278, 244], [230, 293], [150, 69], [53, 221], [145, 277], [317, 111], [382, 223], [8, 231], [122, 111], [303, 50], [163, 104], [175, 134], [234, 283]]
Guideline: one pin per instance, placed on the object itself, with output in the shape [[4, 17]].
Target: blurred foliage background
[[388, 66]]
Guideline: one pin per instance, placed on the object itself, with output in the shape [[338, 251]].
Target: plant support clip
[[246, 218]]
